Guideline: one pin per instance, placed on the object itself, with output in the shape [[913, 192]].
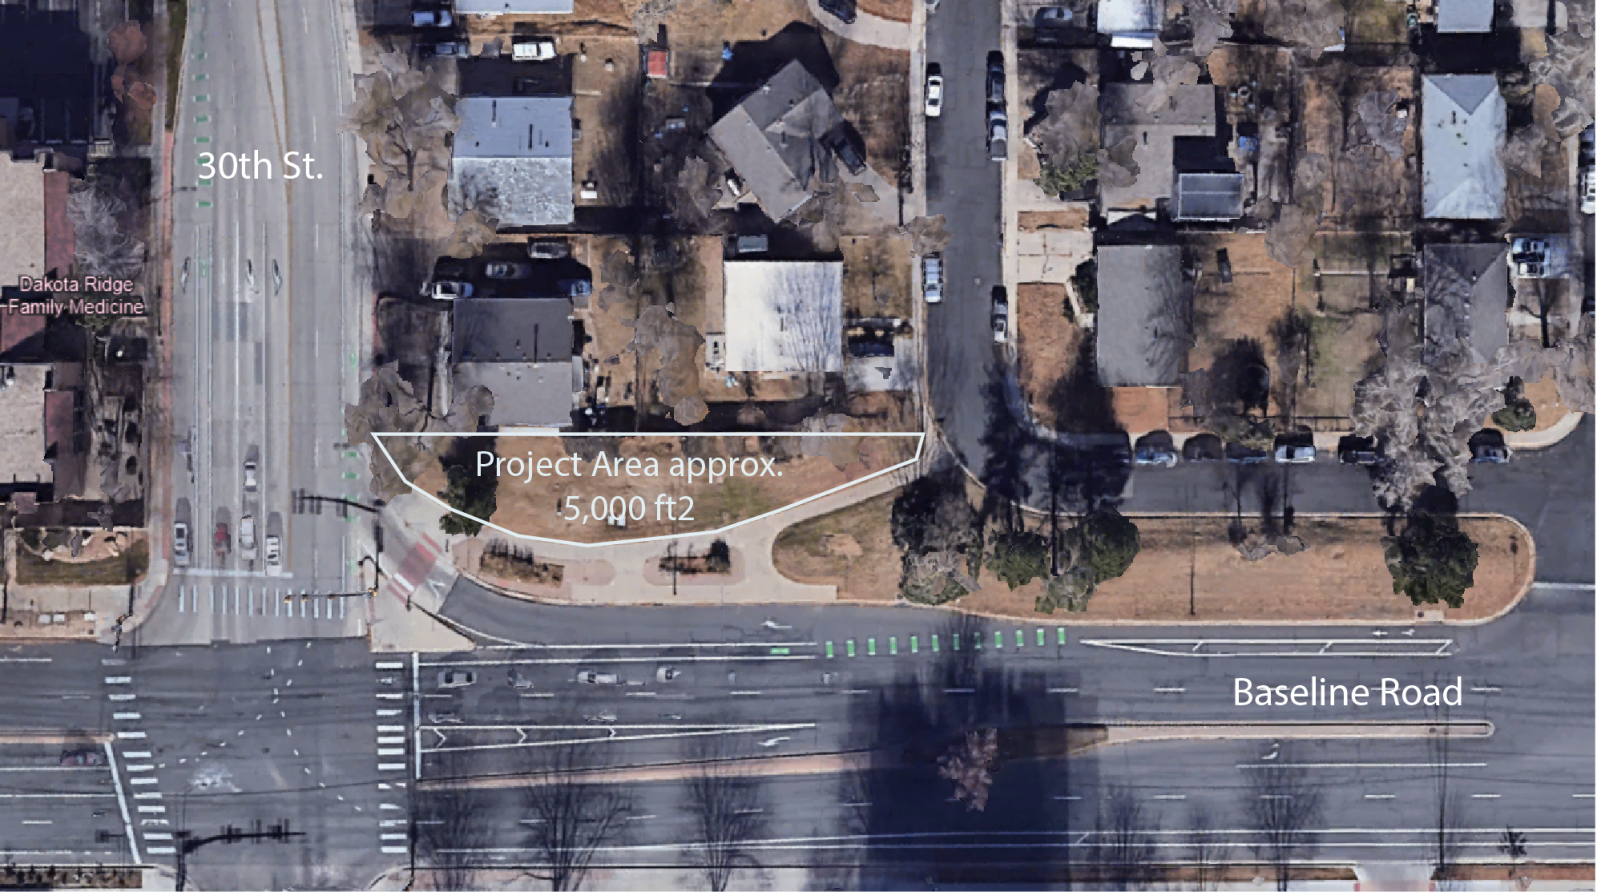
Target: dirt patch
[[1550, 409], [604, 79], [1048, 346], [1369, 184], [897, 10], [873, 95], [852, 549], [876, 272], [1070, 218], [124, 568], [510, 562], [1185, 564]]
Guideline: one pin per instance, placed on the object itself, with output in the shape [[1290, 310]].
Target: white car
[[588, 676], [1588, 191], [932, 278], [252, 481], [934, 92], [533, 49], [246, 537], [456, 678], [180, 544], [1294, 454], [1000, 322], [448, 290], [274, 556]]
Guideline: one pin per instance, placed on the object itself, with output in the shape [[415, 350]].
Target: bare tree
[[969, 764], [726, 806], [1376, 127], [405, 120], [1567, 66], [1444, 854], [102, 248], [812, 326], [1071, 126], [1206, 847], [1211, 23], [449, 832], [1512, 845], [1122, 847], [1283, 807], [570, 816]]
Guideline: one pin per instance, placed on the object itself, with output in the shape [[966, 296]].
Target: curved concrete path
[[866, 28]]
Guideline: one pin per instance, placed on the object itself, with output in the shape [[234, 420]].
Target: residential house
[[773, 138], [512, 159]]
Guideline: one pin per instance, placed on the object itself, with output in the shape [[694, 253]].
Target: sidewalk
[[868, 29]]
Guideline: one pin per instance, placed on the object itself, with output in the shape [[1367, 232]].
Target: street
[[267, 325]]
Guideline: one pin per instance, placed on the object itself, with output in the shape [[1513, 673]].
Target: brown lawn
[[1185, 563]]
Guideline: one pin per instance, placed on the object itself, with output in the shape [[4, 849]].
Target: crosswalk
[[393, 747], [413, 570], [241, 600], [131, 753]]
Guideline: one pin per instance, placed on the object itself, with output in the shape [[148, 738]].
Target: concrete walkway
[[866, 28]]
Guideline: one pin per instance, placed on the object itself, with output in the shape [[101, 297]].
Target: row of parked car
[[450, 277], [1485, 448]]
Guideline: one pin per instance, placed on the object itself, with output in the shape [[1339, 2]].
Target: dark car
[[1244, 455], [843, 9], [995, 78], [1202, 448], [1487, 448], [838, 142], [85, 758], [1358, 451]]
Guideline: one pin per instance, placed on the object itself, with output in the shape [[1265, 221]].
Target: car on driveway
[[838, 142], [1294, 453], [575, 287], [1358, 451], [431, 18], [1202, 448], [1490, 453], [1244, 455], [1154, 455], [507, 270], [934, 91], [456, 678], [844, 10], [450, 290], [548, 250], [448, 49]]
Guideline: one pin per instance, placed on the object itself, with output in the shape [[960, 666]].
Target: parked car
[[589, 676], [519, 681], [1000, 319], [1588, 191], [1053, 17], [532, 49], [446, 289], [838, 142], [931, 267], [180, 544], [1490, 453], [753, 244], [431, 18], [246, 537], [221, 542], [1202, 448], [995, 78], [666, 673], [575, 287], [1529, 256], [83, 757], [1153, 455], [274, 556], [843, 9], [456, 678], [934, 91], [1244, 455], [1358, 451], [997, 135], [1294, 453], [252, 482], [447, 49], [548, 250], [507, 270]]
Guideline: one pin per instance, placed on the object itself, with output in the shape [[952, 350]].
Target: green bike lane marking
[[870, 646], [892, 646], [850, 643], [829, 654]]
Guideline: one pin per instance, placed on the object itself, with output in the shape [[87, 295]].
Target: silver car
[[180, 544], [252, 482]]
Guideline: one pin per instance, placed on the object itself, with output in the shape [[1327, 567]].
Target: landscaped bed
[[1187, 571]]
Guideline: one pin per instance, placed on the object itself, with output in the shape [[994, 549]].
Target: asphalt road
[[964, 186], [763, 690], [267, 320]]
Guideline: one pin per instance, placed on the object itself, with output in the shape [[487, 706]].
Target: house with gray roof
[[512, 159], [1464, 16], [1144, 324], [1135, 112], [1466, 298], [1463, 119], [522, 351], [773, 138]]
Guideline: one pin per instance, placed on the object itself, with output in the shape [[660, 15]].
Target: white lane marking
[[390, 751], [144, 780], [1380, 795], [1582, 796], [149, 836], [1172, 797], [743, 693], [395, 850], [392, 766], [388, 806], [152, 809], [119, 679], [125, 716], [122, 698], [1485, 795], [390, 729], [391, 741], [37, 823], [130, 735], [140, 767], [141, 754], [398, 836], [146, 795], [629, 694], [122, 803], [1566, 586], [1062, 691], [1367, 765], [1068, 798], [1486, 690], [635, 818], [389, 713], [1169, 690], [389, 666], [162, 850], [390, 696]]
